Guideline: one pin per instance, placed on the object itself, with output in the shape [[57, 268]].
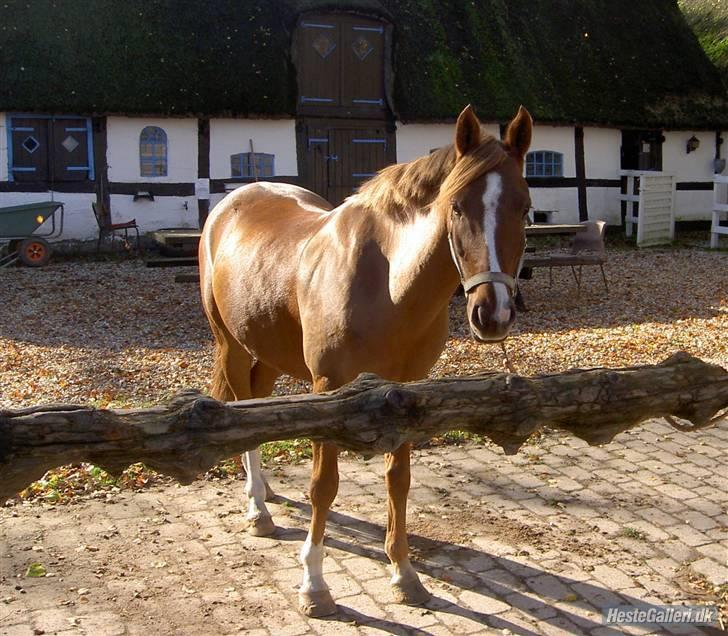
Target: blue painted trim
[[77, 168], [369, 141], [23, 169], [316, 99], [90, 148], [378, 102], [77, 129], [9, 134], [372, 29], [21, 129], [363, 175], [316, 25]]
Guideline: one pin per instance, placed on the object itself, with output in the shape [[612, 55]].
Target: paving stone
[[698, 520], [16, 630], [716, 573], [612, 577], [689, 536], [483, 602]]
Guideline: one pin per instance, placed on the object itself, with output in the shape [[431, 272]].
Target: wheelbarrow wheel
[[34, 252]]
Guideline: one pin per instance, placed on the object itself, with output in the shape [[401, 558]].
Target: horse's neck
[[422, 274]]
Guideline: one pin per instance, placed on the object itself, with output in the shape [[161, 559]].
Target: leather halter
[[483, 277]]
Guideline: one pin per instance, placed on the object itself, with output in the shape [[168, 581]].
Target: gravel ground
[[119, 334]]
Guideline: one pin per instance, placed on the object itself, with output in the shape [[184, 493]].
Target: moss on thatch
[[709, 20], [589, 61]]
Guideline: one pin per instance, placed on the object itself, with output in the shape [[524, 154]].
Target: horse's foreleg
[[406, 585], [314, 596]]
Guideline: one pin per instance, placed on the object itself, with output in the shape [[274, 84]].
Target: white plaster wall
[[79, 222], [562, 201], [154, 215], [690, 205], [602, 152], [696, 166], [3, 148], [232, 136], [417, 140], [603, 204], [123, 149]]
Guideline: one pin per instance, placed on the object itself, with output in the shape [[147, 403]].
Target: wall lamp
[[693, 144]]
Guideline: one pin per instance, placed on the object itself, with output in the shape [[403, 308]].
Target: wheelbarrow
[[19, 225]]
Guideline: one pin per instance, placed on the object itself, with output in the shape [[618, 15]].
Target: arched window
[[153, 152], [544, 163]]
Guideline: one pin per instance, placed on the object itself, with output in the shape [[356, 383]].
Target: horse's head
[[488, 201]]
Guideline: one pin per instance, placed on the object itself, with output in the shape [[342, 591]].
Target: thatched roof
[[709, 20], [619, 62]]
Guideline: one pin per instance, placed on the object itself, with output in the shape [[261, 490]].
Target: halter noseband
[[483, 277]]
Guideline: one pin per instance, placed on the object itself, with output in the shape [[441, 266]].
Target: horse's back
[[249, 254]]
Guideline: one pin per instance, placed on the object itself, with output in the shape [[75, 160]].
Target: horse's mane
[[404, 189]]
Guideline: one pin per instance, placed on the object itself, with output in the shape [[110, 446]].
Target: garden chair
[[110, 229], [587, 248]]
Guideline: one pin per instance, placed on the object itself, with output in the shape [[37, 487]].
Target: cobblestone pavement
[[532, 544]]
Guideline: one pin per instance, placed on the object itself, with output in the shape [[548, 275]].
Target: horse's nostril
[[481, 316]]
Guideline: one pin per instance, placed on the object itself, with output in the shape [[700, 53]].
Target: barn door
[[340, 60], [339, 159]]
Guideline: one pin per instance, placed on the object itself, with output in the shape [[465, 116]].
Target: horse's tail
[[219, 387]]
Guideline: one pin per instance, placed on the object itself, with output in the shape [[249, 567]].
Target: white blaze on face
[[491, 201]]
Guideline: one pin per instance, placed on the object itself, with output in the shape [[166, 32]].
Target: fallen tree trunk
[[370, 415]]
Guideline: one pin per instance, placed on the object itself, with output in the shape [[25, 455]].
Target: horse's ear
[[518, 133], [467, 132]]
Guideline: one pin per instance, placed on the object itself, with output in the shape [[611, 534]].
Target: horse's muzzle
[[489, 325]]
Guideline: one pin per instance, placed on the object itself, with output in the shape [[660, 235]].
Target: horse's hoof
[[261, 526], [410, 592], [316, 604]]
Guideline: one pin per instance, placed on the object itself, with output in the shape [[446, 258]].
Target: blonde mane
[[403, 189]]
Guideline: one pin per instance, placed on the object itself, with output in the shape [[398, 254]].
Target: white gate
[[654, 194], [720, 206]]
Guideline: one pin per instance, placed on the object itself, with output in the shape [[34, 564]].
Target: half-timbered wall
[[174, 202], [416, 140], [232, 136]]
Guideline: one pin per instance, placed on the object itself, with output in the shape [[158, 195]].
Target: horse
[[292, 285]]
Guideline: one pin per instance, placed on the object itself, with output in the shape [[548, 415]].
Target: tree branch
[[193, 432]]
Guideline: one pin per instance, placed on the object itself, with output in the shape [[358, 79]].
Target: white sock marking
[[491, 200], [312, 558], [403, 571], [254, 486]]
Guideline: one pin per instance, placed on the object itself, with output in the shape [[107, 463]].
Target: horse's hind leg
[[261, 524], [406, 585], [235, 377]]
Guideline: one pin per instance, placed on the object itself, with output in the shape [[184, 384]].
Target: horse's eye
[[456, 208]]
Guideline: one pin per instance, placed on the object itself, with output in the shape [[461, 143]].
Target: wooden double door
[[337, 157]]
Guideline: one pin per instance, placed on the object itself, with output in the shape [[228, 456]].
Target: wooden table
[[553, 229]]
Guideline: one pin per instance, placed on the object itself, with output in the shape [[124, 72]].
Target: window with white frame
[[544, 163], [50, 149], [252, 164], [153, 152]]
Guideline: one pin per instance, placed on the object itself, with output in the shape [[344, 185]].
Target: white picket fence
[[654, 194], [720, 207]]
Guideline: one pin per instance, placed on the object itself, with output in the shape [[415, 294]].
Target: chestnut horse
[[290, 285]]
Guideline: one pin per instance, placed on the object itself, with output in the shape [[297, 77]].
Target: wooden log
[[192, 432]]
